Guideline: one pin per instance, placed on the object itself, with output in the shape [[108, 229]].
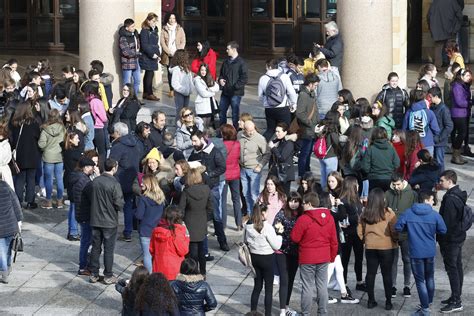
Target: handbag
[[15, 169], [244, 256], [17, 245], [295, 127], [282, 171]]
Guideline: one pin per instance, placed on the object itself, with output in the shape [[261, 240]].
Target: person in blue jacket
[[421, 119], [422, 223]]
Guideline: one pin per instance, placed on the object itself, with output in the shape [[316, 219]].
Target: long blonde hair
[[152, 189]]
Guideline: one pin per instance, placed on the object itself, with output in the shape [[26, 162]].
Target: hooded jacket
[[387, 123], [426, 176], [205, 103], [445, 123], [213, 160], [290, 96], [315, 234], [306, 102], [451, 210], [381, 235], [194, 295], [128, 151], [264, 242], [400, 201], [182, 81], [49, 142], [397, 101], [168, 249], [235, 73], [430, 129], [149, 213], [380, 160], [129, 44], [329, 85], [422, 224], [196, 204]]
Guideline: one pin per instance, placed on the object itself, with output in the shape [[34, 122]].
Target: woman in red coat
[[207, 56], [169, 243]]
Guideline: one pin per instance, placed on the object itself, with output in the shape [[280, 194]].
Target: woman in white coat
[[206, 105], [5, 156]]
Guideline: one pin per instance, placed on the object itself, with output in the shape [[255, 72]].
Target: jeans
[[145, 243], [452, 257], [148, 82], [234, 186], [317, 273], [374, 258], [128, 214], [328, 165], [250, 187], [180, 101], [127, 77], [26, 177], [275, 116], [459, 131], [423, 272], [86, 239], [218, 225], [439, 156], [304, 158], [234, 102], [71, 220], [352, 242], [263, 265], [6, 253], [196, 251], [107, 237], [223, 203], [57, 170], [404, 249]]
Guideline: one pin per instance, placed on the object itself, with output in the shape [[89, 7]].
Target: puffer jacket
[[10, 211], [397, 100], [232, 171], [183, 137], [194, 295], [205, 99], [49, 142], [426, 176], [129, 44]]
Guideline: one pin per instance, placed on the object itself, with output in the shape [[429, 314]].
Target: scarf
[[172, 38]]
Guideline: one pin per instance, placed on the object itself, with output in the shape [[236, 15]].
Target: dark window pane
[[18, 6], [259, 8], [192, 7], [311, 9], [2, 30], [331, 8], [44, 30], [216, 34], [260, 35], [310, 33], [45, 7], [68, 7], [2, 7], [283, 8], [283, 35], [19, 30], [69, 33], [193, 32], [216, 7]]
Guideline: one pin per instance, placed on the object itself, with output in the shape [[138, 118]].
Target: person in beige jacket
[[377, 229], [172, 38]]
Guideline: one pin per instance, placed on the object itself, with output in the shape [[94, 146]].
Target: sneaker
[[31, 206], [138, 263], [332, 300], [348, 299], [388, 306], [110, 280], [67, 202], [73, 237], [406, 292], [125, 238], [290, 312], [361, 287], [348, 291], [447, 301], [84, 272], [371, 304], [451, 308], [59, 204], [421, 312], [41, 192], [276, 280], [47, 205], [394, 292], [208, 257], [93, 278]]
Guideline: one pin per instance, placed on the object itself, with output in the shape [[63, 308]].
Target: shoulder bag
[[244, 255], [15, 169], [295, 127]]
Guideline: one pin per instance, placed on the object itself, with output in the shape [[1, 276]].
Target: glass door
[[17, 23]]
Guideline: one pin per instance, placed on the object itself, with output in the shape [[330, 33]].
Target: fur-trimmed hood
[[190, 278]]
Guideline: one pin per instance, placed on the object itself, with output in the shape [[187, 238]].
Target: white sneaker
[[332, 300], [290, 312], [41, 192], [276, 280], [67, 202]]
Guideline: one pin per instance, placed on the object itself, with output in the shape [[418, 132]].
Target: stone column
[[399, 26], [99, 21], [366, 29]]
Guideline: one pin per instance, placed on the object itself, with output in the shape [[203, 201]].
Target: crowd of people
[[381, 163]]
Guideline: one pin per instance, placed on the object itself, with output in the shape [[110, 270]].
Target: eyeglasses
[[187, 114]]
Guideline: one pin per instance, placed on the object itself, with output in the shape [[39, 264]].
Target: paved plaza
[[44, 280]]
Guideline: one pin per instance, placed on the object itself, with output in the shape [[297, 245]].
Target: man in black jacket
[[210, 157], [107, 201], [157, 129], [232, 80], [451, 243]]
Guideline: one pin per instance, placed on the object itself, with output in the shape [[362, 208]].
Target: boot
[[457, 158], [171, 94], [467, 151], [47, 204], [4, 278]]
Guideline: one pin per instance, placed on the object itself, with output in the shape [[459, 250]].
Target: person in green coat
[[382, 118]]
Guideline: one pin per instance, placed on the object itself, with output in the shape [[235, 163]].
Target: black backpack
[[467, 217], [275, 91]]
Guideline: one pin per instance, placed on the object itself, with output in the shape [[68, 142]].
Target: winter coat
[[399, 201], [430, 129], [126, 112], [50, 141], [264, 242], [306, 102], [380, 160], [71, 158], [451, 210], [183, 137], [213, 160], [128, 151], [232, 170], [426, 176], [129, 44], [106, 201], [149, 213], [422, 223], [149, 40], [397, 101], [445, 123], [210, 60], [156, 136], [461, 100], [197, 206], [283, 154], [10, 211], [235, 73], [128, 306], [168, 249], [334, 50], [79, 180], [326, 92], [381, 235], [315, 234], [290, 96], [288, 247], [98, 112], [444, 19], [194, 295], [205, 102], [180, 43], [5, 158], [387, 123], [27, 151], [410, 162], [254, 151], [400, 150], [182, 81], [352, 212]]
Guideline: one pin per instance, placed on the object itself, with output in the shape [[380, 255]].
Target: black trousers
[[452, 257], [287, 266], [459, 131], [26, 177], [275, 116], [107, 237], [196, 251], [263, 265], [148, 82], [374, 258], [100, 145], [353, 242], [384, 184]]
